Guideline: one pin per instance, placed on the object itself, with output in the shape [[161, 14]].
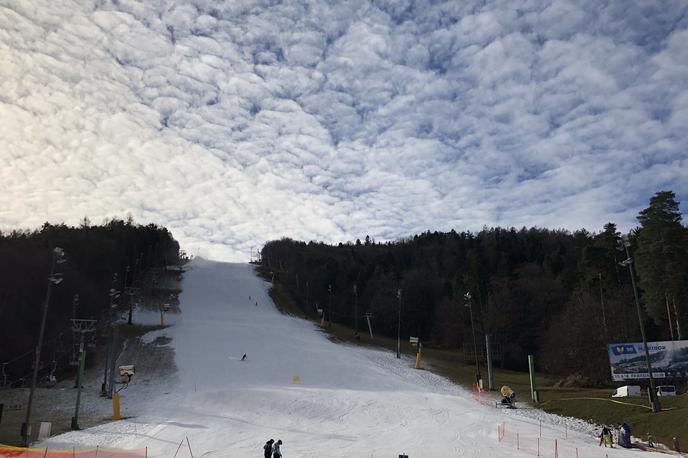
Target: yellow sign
[[296, 378]]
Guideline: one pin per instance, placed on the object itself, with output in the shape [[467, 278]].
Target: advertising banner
[[668, 359]]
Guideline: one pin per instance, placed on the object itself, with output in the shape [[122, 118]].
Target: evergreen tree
[[661, 260]]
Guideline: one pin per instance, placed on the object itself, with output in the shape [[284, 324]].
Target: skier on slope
[[277, 449], [267, 448], [243, 358]]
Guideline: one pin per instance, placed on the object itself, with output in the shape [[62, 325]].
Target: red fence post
[[556, 449]]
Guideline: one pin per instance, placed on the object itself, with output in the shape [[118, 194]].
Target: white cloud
[[233, 123]]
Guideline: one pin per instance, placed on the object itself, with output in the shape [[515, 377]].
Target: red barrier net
[[544, 445], [20, 452]]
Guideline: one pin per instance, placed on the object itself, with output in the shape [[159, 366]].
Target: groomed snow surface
[[348, 401]]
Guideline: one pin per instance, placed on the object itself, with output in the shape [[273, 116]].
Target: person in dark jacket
[[267, 448], [277, 449]]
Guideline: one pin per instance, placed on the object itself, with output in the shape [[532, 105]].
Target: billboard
[[668, 359]]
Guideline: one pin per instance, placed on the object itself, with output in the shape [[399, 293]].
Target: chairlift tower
[[74, 357], [131, 292], [83, 327]]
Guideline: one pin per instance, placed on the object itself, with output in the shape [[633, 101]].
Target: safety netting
[[98, 452]]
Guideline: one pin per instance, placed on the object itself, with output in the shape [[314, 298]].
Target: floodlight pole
[[399, 324], [82, 358], [469, 303], [329, 305], [355, 310], [58, 256], [656, 407]]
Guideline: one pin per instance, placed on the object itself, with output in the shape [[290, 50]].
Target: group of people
[[273, 449], [623, 436]]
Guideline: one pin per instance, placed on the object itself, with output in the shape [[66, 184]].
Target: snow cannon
[[508, 397]]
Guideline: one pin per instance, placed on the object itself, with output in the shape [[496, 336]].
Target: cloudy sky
[[237, 122]]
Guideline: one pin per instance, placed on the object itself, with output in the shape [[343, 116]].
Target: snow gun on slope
[[508, 398]]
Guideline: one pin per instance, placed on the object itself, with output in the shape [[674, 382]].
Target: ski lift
[[92, 341], [50, 379]]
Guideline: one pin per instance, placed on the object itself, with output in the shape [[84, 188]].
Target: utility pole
[[399, 324], [604, 315], [669, 319], [329, 305], [53, 278], [355, 310], [130, 291], [82, 327], [628, 262], [103, 386], [469, 304]]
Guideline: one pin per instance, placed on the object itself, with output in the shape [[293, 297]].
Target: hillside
[[347, 401]]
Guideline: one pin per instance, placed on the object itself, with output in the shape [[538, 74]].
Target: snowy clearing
[[348, 401]]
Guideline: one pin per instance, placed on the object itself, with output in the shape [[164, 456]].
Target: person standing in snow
[[267, 449], [243, 358], [277, 449], [606, 437]]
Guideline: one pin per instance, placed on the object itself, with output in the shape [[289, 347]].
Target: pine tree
[[661, 260]]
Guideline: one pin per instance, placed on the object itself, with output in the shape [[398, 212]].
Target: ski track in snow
[[350, 401]]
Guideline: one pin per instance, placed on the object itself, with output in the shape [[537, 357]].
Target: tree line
[[560, 295], [100, 261]]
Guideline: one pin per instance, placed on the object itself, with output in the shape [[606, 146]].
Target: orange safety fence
[[98, 452], [483, 397], [551, 447]]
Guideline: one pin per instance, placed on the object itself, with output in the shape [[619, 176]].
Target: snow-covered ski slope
[[348, 401]]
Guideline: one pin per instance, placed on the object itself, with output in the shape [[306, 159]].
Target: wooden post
[[517, 444], [189, 444], [556, 449], [180, 446]]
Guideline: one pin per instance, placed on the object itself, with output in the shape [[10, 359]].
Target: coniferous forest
[[98, 263], [560, 295]]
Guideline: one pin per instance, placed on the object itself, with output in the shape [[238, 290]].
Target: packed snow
[[322, 399]]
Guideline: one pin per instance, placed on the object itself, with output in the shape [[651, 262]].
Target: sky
[[234, 123]]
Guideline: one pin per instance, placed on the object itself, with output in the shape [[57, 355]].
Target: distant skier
[[606, 437], [277, 449], [256, 303], [267, 448], [243, 358]]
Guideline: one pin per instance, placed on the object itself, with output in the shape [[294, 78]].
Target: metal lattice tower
[[80, 328]]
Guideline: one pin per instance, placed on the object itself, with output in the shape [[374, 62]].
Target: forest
[[88, 267], [561, 296]]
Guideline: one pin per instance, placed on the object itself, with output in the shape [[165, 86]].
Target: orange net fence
[[539, 445], [21, 452]]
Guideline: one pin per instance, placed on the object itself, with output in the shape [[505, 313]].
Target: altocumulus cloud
[[237, 122]]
